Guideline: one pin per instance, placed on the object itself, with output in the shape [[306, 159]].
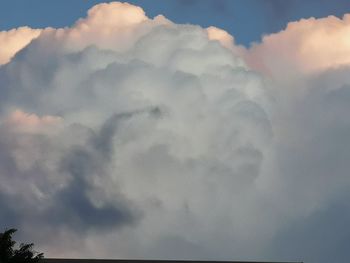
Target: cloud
[[94, 172], [36, 155], [134, 137], [14, 40], [308, 45], [224, 38], [19, 120], [111, 26]]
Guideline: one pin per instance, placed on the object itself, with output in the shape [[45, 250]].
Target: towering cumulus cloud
[[131, 137]]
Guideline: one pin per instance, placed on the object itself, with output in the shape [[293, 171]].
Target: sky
[[177, 130], [247, 20]]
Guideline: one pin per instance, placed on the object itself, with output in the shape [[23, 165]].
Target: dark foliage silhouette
[[10, 254]]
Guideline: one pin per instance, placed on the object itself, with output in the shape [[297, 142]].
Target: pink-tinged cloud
[[225, 39], [222, 36], [14, 40], [309, 45], [31, 122], [114, 26]]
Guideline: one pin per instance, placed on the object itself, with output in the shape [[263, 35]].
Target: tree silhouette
[[10, 254]]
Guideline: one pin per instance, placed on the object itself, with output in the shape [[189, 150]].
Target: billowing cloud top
[[307, 45], [134, 137], [14, 40]]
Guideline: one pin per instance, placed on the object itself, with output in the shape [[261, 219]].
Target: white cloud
[[142, 138]]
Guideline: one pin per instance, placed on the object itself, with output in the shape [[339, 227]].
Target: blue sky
[[247, 20]]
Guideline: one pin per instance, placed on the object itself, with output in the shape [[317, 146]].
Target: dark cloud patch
[[314, 162], [8, 164], [9, 217], [74, 207], [102, 142], [83, 163], [10, 200], [321, 237], [71, 206]]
